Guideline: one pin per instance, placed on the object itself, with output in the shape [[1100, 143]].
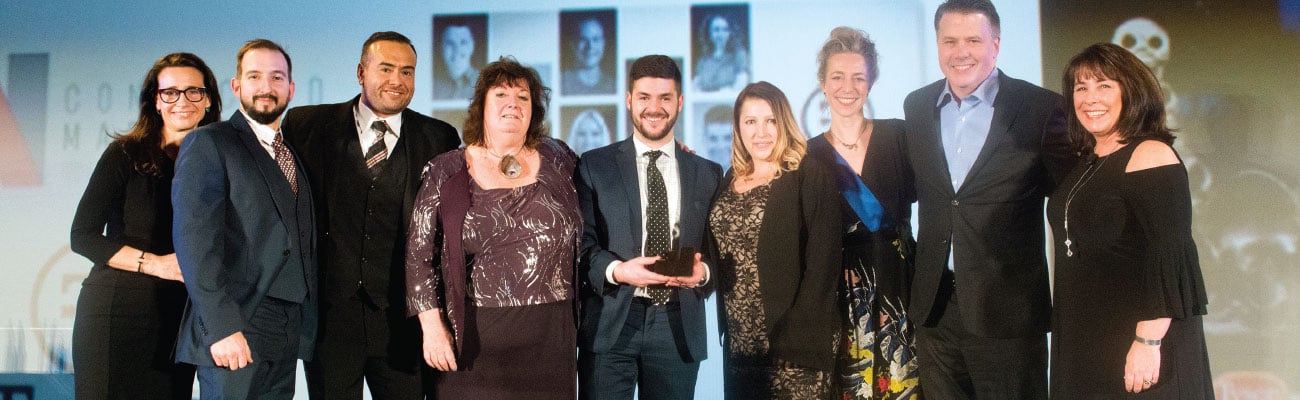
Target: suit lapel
[[1004, 114], [272, 176], [686, 170], [626, 161], [415, 164], [932, 133]]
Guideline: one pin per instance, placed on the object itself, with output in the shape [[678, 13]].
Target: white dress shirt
[[365, 117]]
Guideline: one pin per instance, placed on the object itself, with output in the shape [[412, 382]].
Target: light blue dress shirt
[[964, 127]]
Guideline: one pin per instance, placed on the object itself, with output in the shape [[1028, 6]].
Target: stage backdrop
[[71, 71]]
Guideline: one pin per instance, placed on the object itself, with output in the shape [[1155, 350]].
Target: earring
[[206, 109]]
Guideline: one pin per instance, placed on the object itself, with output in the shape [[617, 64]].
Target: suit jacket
[[800, 265], [994, 221], [324, 135], [611, 213], [238, 226]]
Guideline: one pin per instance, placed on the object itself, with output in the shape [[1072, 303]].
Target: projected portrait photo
[[459, 50], [587, 127], [714, 128], [588, 51], [720, 47]]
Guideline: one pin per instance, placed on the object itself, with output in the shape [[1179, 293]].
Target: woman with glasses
[[131, 302]]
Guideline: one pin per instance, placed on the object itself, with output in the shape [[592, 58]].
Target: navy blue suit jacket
[[235, 232], [611, 213]]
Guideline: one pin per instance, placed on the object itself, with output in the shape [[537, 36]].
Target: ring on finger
[[1146, 382]]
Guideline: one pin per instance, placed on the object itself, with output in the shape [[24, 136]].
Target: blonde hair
[[791, 144]]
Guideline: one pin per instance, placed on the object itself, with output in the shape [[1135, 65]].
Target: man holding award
[[645, 205]]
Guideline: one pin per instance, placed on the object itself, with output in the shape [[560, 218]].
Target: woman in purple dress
[[492, 248]]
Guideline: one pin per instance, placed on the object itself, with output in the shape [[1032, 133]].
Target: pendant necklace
[[847, 145], [1083, 180], [509, 165]]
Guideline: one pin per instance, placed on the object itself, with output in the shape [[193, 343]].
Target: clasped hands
[[636, 272]]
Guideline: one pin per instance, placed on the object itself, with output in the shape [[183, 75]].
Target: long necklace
[[509, 165], [1069, 198]]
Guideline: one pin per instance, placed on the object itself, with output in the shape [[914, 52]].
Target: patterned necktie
[[377, 152], [656, 222], [285, 159]]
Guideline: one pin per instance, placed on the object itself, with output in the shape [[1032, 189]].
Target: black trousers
[[357, 342], [272, 336], [956, 364]]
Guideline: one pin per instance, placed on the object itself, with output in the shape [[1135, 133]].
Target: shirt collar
[[667, 148], [264, 133], [986, 92], [365, 117]]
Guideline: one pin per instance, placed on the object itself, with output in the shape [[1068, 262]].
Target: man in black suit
[[986, 149], [245, 241], [364, 159], [639, 197]]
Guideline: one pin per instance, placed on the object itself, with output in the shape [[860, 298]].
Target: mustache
[[268, 96]]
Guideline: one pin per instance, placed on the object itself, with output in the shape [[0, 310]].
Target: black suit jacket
[[235, 232], [994, 221], [611, 213], [326, 136], [799, 265]]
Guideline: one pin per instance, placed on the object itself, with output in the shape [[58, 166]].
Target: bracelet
[[139, 264], [1148, 342]]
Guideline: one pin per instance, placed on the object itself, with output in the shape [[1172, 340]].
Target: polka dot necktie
[[656, 222], [285, 159], [377, 152]]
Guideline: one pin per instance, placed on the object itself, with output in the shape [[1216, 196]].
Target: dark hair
[[654, 66], [970, 7], [718, 114], [734, 42], [505, 71], [143, 142], [1142, 115], [261, 44], [790, 144], [848, 40], [385, 36]]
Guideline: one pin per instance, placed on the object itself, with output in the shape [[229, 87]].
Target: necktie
[[656, 222], [285, 159], [377, 152]]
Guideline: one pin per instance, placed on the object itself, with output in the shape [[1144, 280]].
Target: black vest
[[365, 242]]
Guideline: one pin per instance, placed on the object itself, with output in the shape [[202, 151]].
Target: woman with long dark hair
[[130, 305]]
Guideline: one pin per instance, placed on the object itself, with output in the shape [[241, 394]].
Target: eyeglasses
[[194, 94]]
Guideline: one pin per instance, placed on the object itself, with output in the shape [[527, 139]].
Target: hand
[[1142, 367], [437, 342], [693, 281], [633, 272], [164, 267], [232, 352], [682, 146]]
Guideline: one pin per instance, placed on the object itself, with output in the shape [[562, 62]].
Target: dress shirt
[[667, 164], [265, 135], [365, 117], [965, 126]]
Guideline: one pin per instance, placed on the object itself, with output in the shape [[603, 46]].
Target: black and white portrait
[[459, 43], [588, 127], [588, 47], [720, 37]]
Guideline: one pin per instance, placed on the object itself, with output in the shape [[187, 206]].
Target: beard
[[263, 117], [652, 135]]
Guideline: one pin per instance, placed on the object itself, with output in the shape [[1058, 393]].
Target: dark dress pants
[[351, 345], [272, 334], [650, 353], [956, 364]]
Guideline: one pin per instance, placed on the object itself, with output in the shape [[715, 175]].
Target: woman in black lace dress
[[1129, 296], [777, 233]]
